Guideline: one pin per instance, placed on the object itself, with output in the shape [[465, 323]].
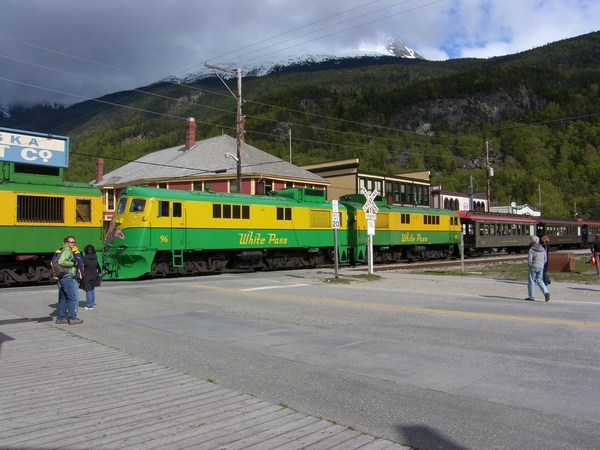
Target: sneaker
[[75, 321], [87, 309], [530, 299], [548, 297], [65, 320]]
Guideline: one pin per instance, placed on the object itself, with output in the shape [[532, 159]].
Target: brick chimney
[[99, 170], [190, 133]]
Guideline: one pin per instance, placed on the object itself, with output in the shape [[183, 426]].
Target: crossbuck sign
[[371, 209]]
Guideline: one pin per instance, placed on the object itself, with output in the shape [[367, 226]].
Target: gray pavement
[[59, 390]]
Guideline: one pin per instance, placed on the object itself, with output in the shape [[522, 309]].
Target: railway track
[[457, 263]]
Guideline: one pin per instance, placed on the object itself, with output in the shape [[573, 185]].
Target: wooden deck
[[103, 398]]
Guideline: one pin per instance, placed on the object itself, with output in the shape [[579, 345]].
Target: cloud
[[66, 51]]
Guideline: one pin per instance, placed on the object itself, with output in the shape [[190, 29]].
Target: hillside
[[538, 110]]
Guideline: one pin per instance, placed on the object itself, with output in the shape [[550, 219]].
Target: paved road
[[426, 361]]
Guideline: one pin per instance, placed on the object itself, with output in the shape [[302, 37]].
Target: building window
[[197, 186], [162, 185], [233, 185], [110, 199]]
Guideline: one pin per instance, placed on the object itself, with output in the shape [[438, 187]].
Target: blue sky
[[66, 51]]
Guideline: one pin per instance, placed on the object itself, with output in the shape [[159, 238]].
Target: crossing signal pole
[[238, 121]]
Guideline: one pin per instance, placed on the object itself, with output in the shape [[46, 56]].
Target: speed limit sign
[[335, 220]]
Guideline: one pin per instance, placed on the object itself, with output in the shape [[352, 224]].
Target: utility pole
[[290, 145], [487, 172], [238, 121]]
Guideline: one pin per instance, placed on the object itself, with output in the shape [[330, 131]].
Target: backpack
[[63, 264]]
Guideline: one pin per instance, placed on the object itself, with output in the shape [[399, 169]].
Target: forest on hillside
[[533, 117]]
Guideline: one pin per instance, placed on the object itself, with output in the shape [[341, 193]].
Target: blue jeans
[[535, 277], [66, 299], [76, 283], [90, 298]]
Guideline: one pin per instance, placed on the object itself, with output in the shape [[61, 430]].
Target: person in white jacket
[[536, 259]]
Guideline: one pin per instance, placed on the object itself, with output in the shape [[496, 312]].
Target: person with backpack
[[64, 268]]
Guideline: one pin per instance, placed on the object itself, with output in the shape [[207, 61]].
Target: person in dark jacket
[[91, 277], [536, 260], [596, 252], [545, 242]]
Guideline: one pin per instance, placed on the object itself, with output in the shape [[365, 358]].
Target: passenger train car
[[37, 211], [485, 232], [493, 232]]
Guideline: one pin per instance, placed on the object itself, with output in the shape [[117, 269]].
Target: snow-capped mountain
[[395, 47], [390, 46]]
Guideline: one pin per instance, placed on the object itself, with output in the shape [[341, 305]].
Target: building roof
[[207, 158]]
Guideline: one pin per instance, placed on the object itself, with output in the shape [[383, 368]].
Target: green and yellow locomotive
[[159, 232], [402, 233], [37, 211]]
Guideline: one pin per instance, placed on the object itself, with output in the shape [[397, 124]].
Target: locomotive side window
[[31, 208], [284, 213], [221, 211], [163, 209], [137, 205], [83, 210], [431, 220], [177, 209]]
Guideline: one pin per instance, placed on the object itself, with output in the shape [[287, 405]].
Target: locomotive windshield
[[122, 205]]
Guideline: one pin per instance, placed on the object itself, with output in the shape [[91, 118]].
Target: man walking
[[536, 260]]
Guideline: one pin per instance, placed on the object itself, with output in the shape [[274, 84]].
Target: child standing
[[91, 277]]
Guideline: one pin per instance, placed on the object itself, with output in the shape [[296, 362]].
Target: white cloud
[[108, 46]]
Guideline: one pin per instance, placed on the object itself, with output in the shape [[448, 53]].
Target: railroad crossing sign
[[370, 207]]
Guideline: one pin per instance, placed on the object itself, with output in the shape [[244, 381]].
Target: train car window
[[137, 205], [31, 208], [216, 210], [163, 209], [284, 213], [177, 209], [245, 211], [237, 211], [226, 211], [122, 205], [83, 210], [405, 218]]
